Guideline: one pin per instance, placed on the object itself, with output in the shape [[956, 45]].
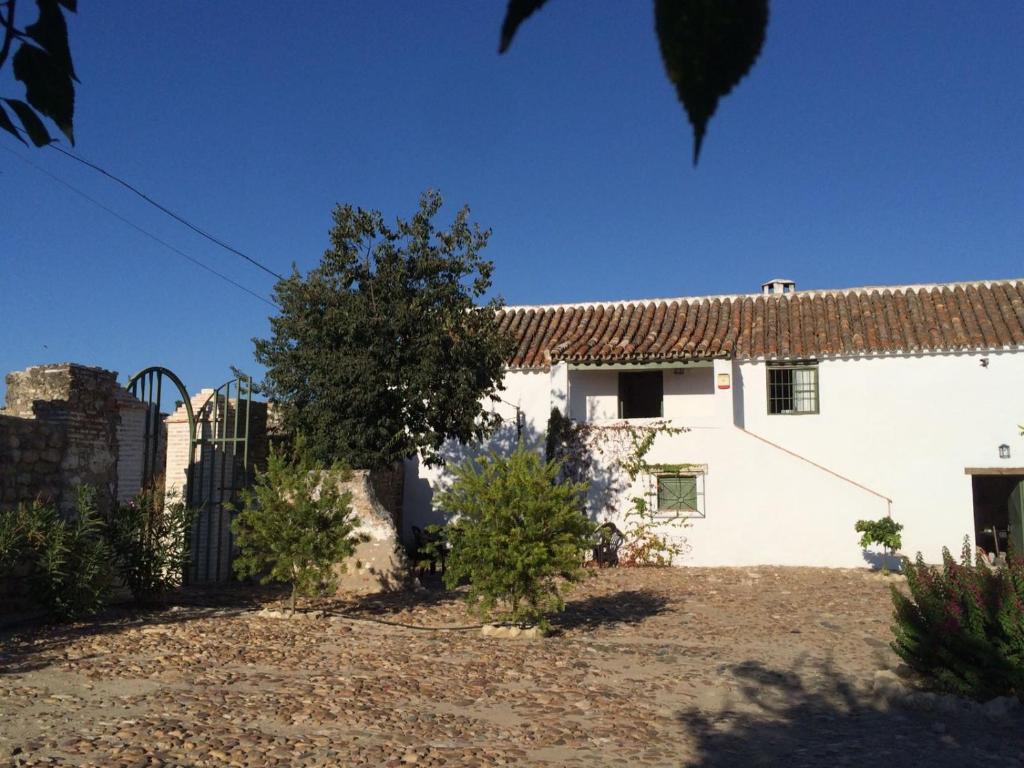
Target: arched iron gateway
[[203, 446]]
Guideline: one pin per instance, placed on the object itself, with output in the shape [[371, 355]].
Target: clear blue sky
[[874, 142]]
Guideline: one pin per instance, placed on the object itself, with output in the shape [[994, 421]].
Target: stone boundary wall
[[389, 486], [59, 430], [64, 426], [30, 460]]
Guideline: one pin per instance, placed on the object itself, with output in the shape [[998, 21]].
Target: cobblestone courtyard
[[671, 667]]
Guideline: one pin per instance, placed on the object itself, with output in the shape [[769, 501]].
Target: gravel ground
[[666, 667]]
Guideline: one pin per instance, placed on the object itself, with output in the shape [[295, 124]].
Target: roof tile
[[808, 324]]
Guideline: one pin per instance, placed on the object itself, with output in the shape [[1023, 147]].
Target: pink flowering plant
[[962, 626]]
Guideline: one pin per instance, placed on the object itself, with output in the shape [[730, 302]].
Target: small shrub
[[645, 547], [518, 534], [963, 626], [295, 526], [149, 536], [885, 532], [67, 563]]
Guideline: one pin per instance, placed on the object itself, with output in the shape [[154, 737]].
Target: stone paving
[[649, 667]]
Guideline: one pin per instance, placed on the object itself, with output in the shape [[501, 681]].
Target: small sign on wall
[[723, 381]]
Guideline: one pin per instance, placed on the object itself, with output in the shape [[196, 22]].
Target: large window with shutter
[[793, 389]]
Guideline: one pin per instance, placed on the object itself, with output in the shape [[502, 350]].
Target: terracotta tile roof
[[802, 324]]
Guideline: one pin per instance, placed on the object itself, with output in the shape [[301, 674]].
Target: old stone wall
[[30, 460], [379, 563], [59, 430], [388, 487]]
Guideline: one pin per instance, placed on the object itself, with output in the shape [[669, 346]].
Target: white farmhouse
[[805, 411]]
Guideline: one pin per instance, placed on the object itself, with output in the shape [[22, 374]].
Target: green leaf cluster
[[884, 532], [295, 525], [42, 62], [149, 535], [962, 627], [66, 562], [382, 351], [518, 535]]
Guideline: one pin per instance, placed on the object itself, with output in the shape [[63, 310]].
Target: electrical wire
[[137, 228], [168, 211]]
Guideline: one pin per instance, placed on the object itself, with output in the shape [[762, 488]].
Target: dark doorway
[[992, 520]]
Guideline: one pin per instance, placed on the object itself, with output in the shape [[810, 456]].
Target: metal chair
[[608, 540]]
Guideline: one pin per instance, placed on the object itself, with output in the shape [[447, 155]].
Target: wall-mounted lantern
[[1004, 451], [723, 381]]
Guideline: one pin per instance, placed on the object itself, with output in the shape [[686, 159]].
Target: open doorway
[[994, 525]]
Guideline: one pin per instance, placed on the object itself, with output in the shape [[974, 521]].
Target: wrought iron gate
[[217, 461], [220, 470]]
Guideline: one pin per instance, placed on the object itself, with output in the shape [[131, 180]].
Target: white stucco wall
[[903, 426], [907, 426]]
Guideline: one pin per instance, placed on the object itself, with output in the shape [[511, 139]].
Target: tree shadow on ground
[[37, 644], [883, 561], [813, 715], [431, 593], [628, 607]]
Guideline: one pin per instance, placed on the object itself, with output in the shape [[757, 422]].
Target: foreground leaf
[[8, 125], [30, 120], [48, 86], [51, 32], [518, 12], [708, 46]]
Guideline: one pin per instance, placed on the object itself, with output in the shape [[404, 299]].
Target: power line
[[166, 210], [137, 228]]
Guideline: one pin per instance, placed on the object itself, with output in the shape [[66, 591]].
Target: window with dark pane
[[677, 493], [640, 394], [793, 389]]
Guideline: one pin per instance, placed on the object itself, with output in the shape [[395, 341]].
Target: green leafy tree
[[149, 536], [885, 532], [382, 351], [707, 47], [517, 535], [962, 626], [296, 525], [42, 62]]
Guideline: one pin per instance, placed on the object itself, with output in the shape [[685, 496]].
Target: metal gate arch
[[218, 465]]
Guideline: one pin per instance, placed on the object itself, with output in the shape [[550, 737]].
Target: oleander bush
[[65, 562], [517, 535], [962, 627], [149, 536]]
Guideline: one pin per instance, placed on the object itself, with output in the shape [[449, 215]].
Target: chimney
[[778, 285]]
